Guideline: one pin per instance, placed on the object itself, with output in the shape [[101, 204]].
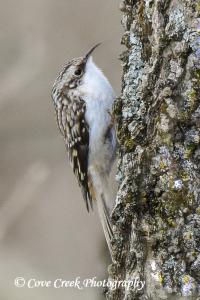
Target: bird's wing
[[73, 126]]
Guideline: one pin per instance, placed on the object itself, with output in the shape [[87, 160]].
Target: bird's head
[[73, 71]]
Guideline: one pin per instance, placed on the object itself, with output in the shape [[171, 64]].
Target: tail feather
[[105, 221], [103, 198]]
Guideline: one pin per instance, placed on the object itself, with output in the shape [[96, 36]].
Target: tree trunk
[[156, 219]]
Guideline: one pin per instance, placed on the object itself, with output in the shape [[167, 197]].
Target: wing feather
[[74, 128]]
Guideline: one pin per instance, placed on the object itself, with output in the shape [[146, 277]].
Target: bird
[[83, 99]]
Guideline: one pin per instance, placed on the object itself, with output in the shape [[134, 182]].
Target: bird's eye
[[78, 72]]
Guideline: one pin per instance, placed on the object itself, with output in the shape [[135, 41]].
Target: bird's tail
[[105, 221], [104, 198]]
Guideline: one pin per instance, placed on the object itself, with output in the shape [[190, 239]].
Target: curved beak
[[90, 51]]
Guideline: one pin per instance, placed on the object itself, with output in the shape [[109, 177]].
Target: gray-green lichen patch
[[177, 23]]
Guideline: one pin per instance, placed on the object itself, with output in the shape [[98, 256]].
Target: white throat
[[94, 82]]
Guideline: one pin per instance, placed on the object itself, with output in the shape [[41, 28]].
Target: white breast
[[99, 97]]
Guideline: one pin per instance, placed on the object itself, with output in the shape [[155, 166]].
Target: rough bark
[[157, 215]]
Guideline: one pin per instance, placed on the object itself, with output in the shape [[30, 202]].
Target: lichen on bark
[[156, 219]]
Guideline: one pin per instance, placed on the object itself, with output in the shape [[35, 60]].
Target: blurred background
[[45, 230]]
